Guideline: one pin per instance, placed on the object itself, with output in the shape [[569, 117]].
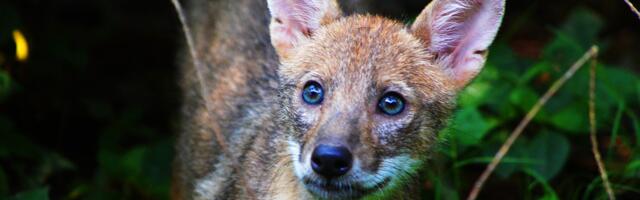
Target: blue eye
[[312, 93], [391, 104]]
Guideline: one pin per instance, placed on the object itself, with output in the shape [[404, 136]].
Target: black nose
[[330, 161]]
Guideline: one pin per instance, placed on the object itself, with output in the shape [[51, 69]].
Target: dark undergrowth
[[92, 111]]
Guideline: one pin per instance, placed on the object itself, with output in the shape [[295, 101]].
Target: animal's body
[[314, 104]]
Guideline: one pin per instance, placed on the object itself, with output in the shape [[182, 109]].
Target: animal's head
[[364, 97]]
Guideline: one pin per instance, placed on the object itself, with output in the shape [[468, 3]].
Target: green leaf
[[144, 167], [497, 101], [636, 125], [576, 35], [563, 50], [132, 163], [596, 183], [524, 98], [502, 62], [35, 194], [549, 193], [534, 70], [572, 118], [470, 126], [615, 128], [632, 169], [518, 150], [622, 82], [569, 107], [551, 150], [583, 26], [156, 165], [474, 94]]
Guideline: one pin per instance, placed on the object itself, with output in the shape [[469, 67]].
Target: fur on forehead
[[364, 48]]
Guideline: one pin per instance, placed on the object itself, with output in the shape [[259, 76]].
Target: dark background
[[93, 112]]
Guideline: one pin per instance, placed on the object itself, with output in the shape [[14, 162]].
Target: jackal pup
[[314, 104]]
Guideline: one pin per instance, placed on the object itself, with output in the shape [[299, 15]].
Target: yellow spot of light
[[22, 47]]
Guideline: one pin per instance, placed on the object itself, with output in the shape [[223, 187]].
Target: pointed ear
[[458, 33], [294, 21]]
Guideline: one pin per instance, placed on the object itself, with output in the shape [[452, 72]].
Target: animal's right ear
[[294, 21]]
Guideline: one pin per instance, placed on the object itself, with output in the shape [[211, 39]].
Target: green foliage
[[472, 126], [551, 151], [145, 167], [508, 88]]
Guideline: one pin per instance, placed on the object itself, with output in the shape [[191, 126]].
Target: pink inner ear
[[293, 20], [300, 15], [461, 31]]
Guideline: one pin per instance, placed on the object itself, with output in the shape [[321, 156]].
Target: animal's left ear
[[458, 33]]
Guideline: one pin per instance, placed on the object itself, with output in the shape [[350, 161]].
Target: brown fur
[[234, 58], [256, 100]]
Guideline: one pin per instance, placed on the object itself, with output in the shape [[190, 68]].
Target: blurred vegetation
[[91, 114], [552, 160]]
